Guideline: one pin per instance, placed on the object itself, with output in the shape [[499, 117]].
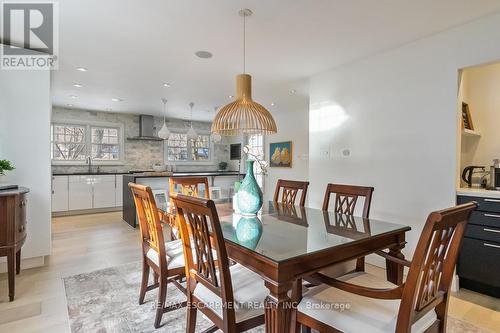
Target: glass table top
[[281, 232]]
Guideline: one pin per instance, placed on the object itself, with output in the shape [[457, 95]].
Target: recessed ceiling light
[[81, 69], [203, 54], [73, 96], [166, 84], [109, 109], [69, 105], [114, 99], [292, 91], [230, 96], [273, 104], [77, 85]]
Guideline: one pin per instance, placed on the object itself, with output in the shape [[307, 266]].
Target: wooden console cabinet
[[12, 230]]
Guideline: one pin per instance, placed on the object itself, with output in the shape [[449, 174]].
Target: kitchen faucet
[[89, 162]]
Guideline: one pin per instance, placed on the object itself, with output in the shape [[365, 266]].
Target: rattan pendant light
[[243, 116]]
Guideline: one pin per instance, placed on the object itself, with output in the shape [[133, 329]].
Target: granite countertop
[[478, 192], [101, 173], [186, 174], [146, 174]]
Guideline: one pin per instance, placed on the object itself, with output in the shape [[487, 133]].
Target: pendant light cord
[[244, 43], [164, 100], [191, 113]]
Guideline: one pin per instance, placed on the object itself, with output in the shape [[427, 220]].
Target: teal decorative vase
[[249, 231], [249, 194]]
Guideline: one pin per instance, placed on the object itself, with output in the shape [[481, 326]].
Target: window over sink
[[181, 149], [73, 143]]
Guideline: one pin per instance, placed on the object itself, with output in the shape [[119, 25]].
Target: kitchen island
[[158, 181]]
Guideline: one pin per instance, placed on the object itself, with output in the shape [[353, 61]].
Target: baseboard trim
[[87, 211], [26, 263]]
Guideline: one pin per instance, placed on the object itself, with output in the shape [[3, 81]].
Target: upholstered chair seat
[[248, 290], [174, 253], [352, 313]]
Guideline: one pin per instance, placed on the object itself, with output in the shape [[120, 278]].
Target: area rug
[[105, 301]]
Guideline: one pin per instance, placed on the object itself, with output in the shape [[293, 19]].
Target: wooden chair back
[[202, 237], [189, 185], [346, 197], [290, 190], [149, 221], [431, 271]]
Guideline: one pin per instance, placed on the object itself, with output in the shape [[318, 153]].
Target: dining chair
[[290, 189], [166, 260], [230, 296], [346, 199], [372, 304], [188, 186]]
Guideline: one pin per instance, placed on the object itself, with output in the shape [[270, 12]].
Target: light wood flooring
[[90, 242]]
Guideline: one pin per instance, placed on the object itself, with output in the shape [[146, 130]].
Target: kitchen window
[[74, 143], [181, 149], [68, 142], [105, 144], [177, 147]]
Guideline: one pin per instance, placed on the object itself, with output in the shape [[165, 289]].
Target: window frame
[[88, 141], [189, 147]]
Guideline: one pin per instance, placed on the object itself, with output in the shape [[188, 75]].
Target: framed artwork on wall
[[466, 117], [280, 154]]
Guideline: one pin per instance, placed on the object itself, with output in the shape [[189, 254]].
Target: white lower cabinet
[[80, 192], [86, 192], [59, 193], [104, 191], [119, 191]]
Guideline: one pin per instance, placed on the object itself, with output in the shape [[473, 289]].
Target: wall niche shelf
[[470, 133]]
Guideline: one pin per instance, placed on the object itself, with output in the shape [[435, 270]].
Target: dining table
[[284, 244]]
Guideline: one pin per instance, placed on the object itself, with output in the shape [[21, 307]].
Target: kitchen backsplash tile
[[139, 155]]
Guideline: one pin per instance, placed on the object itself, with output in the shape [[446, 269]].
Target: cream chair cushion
[[175, 254], [352, 313], [249, 293]]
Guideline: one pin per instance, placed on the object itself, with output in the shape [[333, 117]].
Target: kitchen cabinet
[[80, 192], [119, 191], [104, 191], [477, 266], [60, 193]]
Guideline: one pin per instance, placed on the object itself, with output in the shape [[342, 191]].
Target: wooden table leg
[[11, 269], [18, 262], [395, 270], [279, 308]]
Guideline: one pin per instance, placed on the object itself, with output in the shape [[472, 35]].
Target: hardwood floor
[[86, 243]]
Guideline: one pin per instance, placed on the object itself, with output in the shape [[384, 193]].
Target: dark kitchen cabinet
[[478, 266]]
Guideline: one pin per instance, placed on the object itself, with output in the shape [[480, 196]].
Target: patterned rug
[[105, 301]]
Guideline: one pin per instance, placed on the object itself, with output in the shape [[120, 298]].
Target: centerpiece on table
[[249, 196]]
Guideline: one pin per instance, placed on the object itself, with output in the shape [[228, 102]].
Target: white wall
[[292, 120], [481, 90], [25, 108], [401, 123]]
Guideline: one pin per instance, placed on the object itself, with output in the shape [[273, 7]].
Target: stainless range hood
[[146, 129]]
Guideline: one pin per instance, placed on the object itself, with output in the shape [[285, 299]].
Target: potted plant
[[5, 165]]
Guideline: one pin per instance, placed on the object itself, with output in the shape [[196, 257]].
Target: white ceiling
[[131, 47]]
